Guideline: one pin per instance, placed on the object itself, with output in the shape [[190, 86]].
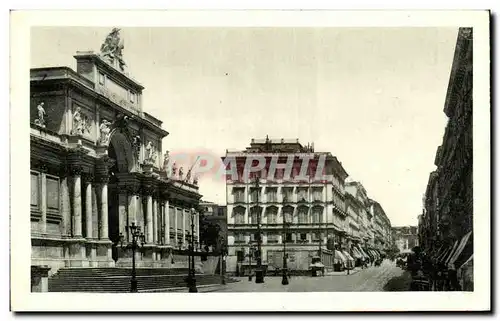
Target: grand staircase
[[117, 280]]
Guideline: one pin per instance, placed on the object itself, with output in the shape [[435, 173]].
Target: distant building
[[314, 210], [217, 215], [381, 226], [358, 195], [405, 237]]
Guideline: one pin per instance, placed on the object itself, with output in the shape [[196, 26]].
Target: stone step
[[115, 280]]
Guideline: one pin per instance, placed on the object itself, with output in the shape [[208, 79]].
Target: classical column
[[65, 202], [176, 224], [103, 188], [43, 202], [183, 226], [122, 211], [166, 213], [76, 173], [155, 222], [149, 218], [88, 205], [197, 222]]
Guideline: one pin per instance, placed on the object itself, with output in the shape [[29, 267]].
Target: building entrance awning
[[444, 254], [462, 252], [438, 253]]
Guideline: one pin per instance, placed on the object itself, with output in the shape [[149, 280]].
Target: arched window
[[255, 214], [272, 215], [239, 215], [317, 215], [287, 214], [303, 218]]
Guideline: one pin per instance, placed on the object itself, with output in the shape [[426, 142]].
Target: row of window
[[272, 194], [279, 173], [271, 217], [240, 238]]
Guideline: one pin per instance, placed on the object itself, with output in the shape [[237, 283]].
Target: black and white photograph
[[350, 161]]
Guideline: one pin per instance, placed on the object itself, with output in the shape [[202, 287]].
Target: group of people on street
[[430, 276]]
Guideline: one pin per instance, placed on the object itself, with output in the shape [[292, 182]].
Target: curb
[[184, 288]]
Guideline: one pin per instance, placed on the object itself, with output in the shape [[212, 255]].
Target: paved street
[[371, 279]]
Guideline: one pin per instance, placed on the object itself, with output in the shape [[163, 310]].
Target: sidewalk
[[201, 289], [343, 273]]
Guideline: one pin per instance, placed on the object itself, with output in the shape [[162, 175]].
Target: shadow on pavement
[[399, 283]]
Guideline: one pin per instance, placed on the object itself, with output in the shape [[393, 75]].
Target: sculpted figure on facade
[[78, 122], [113, 46], [181, 173], [195, 180], [174, 170], [40, 121], [150, 153], [188, 176], [136, 143], [105, 132], [166, 165]]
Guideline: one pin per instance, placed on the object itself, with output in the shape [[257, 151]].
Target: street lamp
[[137, 237], [259, 273], [284, 280], [223, 250], [250, 254], [192, 277]]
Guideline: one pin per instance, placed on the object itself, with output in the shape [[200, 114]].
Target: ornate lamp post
[[192, 277], [250, 254], [259, 273], [137, 237], [223, 250]]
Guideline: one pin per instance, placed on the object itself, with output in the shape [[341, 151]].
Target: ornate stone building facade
[[446, 223], [95, 169], [314, 209]]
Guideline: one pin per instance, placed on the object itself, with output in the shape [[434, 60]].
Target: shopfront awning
[[442, 258], [462, 253], [348, 256], [362, 252], [448, 256], [339, 256], [355, 253], [435, 255]]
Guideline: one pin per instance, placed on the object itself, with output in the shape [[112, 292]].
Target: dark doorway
[[113, 214]]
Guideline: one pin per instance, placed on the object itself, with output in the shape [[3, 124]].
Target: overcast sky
[[372, 97]]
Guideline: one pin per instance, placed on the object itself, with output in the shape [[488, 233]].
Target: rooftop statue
[[40, 121], [113, 46]]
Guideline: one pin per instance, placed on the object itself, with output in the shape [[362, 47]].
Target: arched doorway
[[120, 152]]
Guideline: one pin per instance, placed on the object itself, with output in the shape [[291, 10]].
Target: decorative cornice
[[75, 169], [148, 190], [88, 177], [39, 165], [101, 178]]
